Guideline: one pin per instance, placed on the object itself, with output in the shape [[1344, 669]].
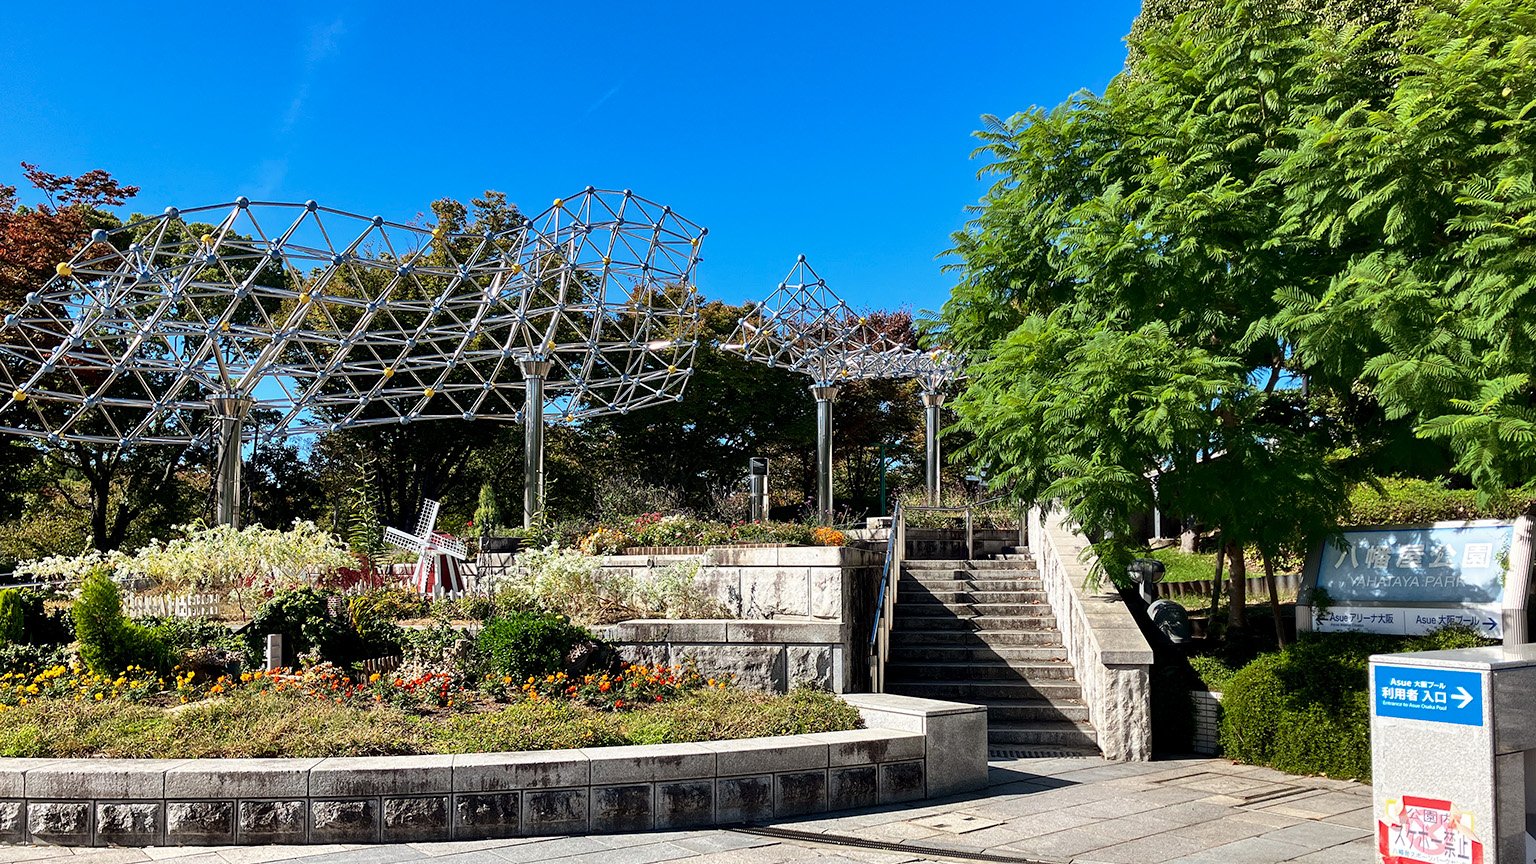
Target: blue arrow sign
[[1436, 695]]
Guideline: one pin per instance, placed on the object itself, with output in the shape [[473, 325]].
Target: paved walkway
[[1083, 811]]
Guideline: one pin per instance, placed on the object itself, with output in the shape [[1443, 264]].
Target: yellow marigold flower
[[374, 678], [98, 697]]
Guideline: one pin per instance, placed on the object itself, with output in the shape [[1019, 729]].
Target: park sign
[[1407, 580]]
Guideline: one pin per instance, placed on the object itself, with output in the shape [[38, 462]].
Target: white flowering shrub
[[557, 579], [241, 564]]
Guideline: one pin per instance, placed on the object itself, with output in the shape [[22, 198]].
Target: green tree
[[1119, 288], [1426, 192]]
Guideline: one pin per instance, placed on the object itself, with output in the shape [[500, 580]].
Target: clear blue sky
[[840, 130]]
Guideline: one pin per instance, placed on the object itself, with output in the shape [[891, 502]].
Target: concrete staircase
[[982, 632]]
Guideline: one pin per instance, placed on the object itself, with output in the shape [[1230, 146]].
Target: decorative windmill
[[437, 573]]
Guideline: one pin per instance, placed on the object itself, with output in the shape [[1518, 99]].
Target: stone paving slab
[[1041, 811]]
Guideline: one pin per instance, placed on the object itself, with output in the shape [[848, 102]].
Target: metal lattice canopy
[[608, 299], [932, 369], [336, 320], [804, 327]]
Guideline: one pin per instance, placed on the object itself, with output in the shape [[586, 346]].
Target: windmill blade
[[396, 537], [452, 546], [428, 520]]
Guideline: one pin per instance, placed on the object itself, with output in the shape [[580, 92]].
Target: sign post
[[1407, 580], [1451, 739]]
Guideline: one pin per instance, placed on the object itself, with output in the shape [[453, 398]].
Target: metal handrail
[[885, 600]]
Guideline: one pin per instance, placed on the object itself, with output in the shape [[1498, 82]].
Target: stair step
[[918, 594], [979, 670], [961, 564], [968, 691], [907, 623], [954, 638], [973, 610], [1003, 712], [986, 585], [1060, 734], [961, 653]]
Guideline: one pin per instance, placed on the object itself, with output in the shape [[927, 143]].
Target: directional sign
[[1436, 695]]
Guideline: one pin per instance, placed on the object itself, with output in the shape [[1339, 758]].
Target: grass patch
[[267, 724], [1185, 566]]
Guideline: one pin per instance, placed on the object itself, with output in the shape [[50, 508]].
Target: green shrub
[[1409, 501], [1212, 671], [24, 659], [373, 616], [526, 644], [41, 625], [1305, 710], [12, 617], [109, 642], [191, 634], [303, 617]]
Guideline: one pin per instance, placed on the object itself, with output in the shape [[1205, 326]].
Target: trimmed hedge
[[1306, 709], [1408, 501]]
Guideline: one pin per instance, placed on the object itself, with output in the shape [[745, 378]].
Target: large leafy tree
[[1426, 191], [1119, 287]]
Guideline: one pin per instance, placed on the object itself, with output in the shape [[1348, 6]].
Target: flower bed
[[319, 713]]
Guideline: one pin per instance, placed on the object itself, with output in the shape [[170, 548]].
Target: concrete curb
[[913, 749]]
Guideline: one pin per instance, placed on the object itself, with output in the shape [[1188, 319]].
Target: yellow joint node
[[671, 368], [389, 372], [429, 392], [517, 268], [207, 239], [607, 260], [224, 326], [63, 268], [19, 395], [558, 202]]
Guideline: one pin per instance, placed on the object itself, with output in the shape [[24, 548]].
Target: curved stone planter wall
[[912, 749]]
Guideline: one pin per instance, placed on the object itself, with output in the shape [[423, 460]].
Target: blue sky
[[837, 130]]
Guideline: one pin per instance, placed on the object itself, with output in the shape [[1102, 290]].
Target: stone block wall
[[1108, 652], [913, 749], [1207, 739], [761, 655]]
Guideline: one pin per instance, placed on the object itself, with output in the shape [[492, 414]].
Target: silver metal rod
[[825, 395], [533, 439], [231, 411], [932, 403]]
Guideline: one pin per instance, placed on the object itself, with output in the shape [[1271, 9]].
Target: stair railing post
[[970, 547]]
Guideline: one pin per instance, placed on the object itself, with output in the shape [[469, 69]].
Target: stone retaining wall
[[762, 655], [912, 749], [1108, 652]]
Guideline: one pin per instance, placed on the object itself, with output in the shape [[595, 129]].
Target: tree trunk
[[1237, 594], [1216, 587], [101, 500], [1274, 599]]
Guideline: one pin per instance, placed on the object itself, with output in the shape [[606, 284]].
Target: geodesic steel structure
[[181, 327], [805, 327]]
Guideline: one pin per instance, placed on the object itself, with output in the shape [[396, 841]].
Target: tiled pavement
[[1083, 811]]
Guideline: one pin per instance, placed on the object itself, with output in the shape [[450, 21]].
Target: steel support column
[[932, 403], [231, 411], [533, 439], [825, 395]]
